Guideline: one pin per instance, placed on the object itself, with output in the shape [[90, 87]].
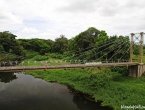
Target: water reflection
[[7, 77], [84, 102], [29, 93]]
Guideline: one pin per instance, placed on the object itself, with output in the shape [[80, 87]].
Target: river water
[[19, 91]]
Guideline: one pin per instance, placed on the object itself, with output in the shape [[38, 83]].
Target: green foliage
[[18, 49], [111, 88], [60, 45], [80, 47], [85, 39], [102, 37], [1, 48], [115, 50], [136, 50], [7, 40], [40, 58], [85, 46], [136, 58], [98, 46], [50, 44], [89, 45], [5, 57], [121, 70], [8, 43], [125, 92], [38, 45], [56, 55], [31, 54]]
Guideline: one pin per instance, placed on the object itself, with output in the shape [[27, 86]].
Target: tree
[[114, 48], [1, 48], [87, 38], [60, 45], [9, 44], [82, 43], [38, 45], [136, 49], [7, 40], [50, 44], [102, 37], [18, 49]]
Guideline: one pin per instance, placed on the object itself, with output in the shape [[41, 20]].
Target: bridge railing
[[54, 62]]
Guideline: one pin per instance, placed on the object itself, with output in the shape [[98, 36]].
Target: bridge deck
[[22, 68]]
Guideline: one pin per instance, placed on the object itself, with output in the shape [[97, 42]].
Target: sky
[[48, 19]]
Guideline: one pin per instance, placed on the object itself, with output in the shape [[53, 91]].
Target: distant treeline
[[91, 44]]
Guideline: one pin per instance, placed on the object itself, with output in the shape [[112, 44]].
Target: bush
[[40, 58], [31, 54], [121, 70], [56, 55]]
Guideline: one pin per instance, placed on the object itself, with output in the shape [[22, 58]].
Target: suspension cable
[[94, 48], [102, 51], [111, 50], [124, 53], [99, 52], [121, 48]]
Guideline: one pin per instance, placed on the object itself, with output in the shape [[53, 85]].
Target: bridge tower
[[135, 38], [137, 70]]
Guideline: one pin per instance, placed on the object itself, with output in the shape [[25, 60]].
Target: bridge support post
[[131, 46], [136, 70], [141, 46]]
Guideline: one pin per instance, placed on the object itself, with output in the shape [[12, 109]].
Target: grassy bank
[[110, 87]]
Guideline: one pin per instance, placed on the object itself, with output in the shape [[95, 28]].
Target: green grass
[[136, 58], [110, 87]]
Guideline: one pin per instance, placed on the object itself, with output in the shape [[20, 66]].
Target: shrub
[[40, 58], [56, 55], [121, 70], [31, 54]]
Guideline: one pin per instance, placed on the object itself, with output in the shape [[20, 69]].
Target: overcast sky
[[48, 19]]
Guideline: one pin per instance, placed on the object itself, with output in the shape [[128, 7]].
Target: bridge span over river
[[135, 69]]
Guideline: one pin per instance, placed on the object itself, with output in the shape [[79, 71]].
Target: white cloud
[[28, 33], [9, 21], [29, 30], [49, 19]]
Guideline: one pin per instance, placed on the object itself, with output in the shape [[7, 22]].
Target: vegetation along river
[[19, 91]]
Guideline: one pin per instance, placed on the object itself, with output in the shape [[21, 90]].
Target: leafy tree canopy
[[60, 45], [7, 40]]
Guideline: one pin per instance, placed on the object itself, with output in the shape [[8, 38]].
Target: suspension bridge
[[136, 68]]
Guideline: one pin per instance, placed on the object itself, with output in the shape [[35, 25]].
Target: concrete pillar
[[136, 70]]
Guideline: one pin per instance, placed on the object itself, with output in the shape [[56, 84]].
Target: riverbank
[[102, 84]]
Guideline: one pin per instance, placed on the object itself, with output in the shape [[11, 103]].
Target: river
[[19, 91]]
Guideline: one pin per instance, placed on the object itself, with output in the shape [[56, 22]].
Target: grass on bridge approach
[[136, 58]]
